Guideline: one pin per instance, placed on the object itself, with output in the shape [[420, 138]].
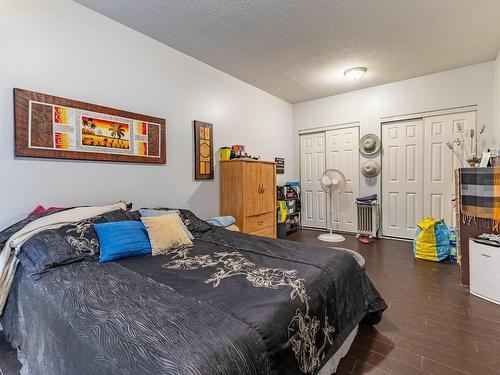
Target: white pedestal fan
[[332, 181]]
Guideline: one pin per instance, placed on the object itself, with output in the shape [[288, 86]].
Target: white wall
[[471, 85], [497, 99], [61, 48]]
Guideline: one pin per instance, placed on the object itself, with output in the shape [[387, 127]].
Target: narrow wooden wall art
[[52, 127], [203, 151]]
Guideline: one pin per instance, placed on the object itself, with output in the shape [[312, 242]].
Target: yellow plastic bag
[[283, 210], [432, 240]]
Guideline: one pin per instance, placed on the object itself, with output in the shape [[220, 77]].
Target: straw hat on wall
[[369, 144], [370, 168]]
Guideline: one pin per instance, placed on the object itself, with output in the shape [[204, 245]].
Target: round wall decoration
[[204, 150], [370, 168], [369, 144]]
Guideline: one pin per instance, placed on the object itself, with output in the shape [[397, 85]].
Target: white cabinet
[[484, 263]]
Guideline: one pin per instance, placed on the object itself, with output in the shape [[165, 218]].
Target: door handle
[[263, 188], [260, 188]]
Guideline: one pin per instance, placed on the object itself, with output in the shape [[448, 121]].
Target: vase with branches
[[464, 147]]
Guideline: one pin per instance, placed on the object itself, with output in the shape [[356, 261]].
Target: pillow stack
[[158, 232]]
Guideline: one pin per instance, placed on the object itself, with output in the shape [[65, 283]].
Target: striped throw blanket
[[480, 194]]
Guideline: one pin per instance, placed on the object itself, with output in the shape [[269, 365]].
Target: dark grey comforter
[[232, 304]]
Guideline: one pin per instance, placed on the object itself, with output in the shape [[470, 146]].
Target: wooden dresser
[[248, 193]]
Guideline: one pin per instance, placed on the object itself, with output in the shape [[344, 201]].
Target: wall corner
[[496, 102]]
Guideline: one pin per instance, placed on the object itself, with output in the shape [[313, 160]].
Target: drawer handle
[[486, 255], [260, 222]]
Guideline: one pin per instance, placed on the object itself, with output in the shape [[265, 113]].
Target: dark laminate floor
[[432, 326]]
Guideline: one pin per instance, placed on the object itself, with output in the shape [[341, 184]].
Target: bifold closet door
[[418, 171], [440, 163], [312, 166], [402, 177], [342, 153]]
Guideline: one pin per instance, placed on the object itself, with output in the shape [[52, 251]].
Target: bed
[[231, 304]]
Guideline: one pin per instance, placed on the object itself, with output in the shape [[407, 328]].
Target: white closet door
[[312, 166], [342, 153], [402, 177], [440, 163]]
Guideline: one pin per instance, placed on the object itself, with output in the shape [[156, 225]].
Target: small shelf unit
[[290, 195]]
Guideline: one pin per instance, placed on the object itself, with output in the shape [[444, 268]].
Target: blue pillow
[[122, 239]]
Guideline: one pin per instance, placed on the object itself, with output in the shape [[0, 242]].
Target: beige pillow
[[165, 233]]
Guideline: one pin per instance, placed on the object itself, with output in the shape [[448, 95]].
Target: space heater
[[368, 219]]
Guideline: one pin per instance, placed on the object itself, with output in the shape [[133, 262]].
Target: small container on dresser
[[484, 262], [248, 193]]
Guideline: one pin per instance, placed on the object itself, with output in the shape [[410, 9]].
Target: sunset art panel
[[103, 133], [48, 126]]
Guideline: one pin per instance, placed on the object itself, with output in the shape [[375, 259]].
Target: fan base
[[331, 237]]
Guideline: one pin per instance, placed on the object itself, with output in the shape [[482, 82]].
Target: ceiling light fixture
[[355, 73]]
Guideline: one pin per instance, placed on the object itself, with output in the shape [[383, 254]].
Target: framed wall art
[[52, 127], [203, 151]]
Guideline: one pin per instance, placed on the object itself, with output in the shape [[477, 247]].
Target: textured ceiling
[[298, 49]]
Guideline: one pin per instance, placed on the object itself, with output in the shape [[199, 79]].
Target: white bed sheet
[[330, 367]]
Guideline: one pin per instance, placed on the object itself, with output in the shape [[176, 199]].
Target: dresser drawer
[[257, 222], [265, 232]]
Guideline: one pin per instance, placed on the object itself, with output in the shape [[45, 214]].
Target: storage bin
[[484, 263]]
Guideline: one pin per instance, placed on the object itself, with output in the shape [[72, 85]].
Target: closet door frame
[[324, 129], [401, 177], [439, 175], [409, 117], [316, 208], [344, 150]]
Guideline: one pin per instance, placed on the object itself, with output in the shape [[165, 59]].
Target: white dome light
[[355, 73]]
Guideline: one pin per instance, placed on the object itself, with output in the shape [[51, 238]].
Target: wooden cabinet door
[[267, 197], [251, 181], [231, 190]]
